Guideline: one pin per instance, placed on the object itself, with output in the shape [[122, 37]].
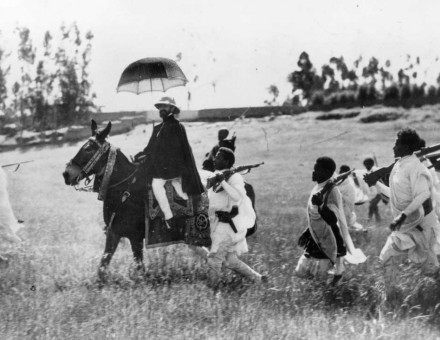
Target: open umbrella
[[151, 74]]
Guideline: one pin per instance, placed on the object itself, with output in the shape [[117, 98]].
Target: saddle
[[192, 215]]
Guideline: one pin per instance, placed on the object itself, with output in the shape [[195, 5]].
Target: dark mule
[[121, 188]]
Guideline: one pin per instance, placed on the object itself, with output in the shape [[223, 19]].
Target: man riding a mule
[[132, 207], [168, 157]]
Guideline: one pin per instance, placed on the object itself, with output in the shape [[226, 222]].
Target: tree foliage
[[53, 86], [366, 83]]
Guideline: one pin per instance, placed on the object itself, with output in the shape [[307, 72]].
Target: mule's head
[[88, 160]]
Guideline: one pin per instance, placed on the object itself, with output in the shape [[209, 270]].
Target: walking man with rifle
[[326, 239], [414, 219], [230, 215]]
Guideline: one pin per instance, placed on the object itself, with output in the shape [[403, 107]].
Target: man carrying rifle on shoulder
[[410, 186], [230, 214], [326, 241]]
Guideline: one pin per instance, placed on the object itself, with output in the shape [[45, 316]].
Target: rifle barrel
[[427, 150], [18, 163]]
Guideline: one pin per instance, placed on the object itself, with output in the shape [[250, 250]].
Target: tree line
[[47, 88], [337, 85]]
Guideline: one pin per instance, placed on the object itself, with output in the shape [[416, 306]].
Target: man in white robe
[[349, 194], [414, 219], [229, 208], [375, 194], [8, 222], [435, 197]]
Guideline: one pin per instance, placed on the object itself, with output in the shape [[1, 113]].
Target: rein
[[108, 172]]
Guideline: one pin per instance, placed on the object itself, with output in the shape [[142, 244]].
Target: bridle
[[84, 172], [107, 172]]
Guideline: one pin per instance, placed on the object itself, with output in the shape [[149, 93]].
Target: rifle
[[216, 180], [427, 150], [17, 164], [335, 181], [374, 176]]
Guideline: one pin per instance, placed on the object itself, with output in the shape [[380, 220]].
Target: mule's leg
[[111, 243], [137, 247]]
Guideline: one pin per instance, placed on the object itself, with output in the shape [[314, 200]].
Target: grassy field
[[50, 289]]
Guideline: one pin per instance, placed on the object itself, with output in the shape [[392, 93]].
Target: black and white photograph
[[219, 169]]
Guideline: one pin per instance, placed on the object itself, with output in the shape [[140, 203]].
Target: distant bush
[[332, 100], [381, 117], [391, 95], [346, 98], [431, 95], [372, 94], [362, 94], [417, 95], [367, 95], [338, 115], [317, 99], [405, 92]]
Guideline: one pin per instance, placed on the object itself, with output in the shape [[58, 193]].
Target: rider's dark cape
[[169, 155]]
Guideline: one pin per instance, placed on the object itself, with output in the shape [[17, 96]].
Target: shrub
[[362, 94], [405, 93], [338, 115], [317, 99], [391, 95], [381, 117], [431, 95], [372, 94]]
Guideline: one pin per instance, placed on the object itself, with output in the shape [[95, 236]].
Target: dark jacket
[[169, 155]]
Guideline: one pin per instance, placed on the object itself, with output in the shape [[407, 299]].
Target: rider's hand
[[397, 222], [139, 157], [220, 177]]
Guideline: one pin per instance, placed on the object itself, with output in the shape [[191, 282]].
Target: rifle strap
[[326, 195]]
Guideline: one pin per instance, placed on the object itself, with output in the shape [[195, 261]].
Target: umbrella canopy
[[151, 74]]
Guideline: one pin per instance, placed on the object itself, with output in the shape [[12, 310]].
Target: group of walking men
[[413, 193]]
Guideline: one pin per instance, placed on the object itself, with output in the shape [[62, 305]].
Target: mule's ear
[[94, 127], [104, 133]]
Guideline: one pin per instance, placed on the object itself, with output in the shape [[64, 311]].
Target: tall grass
[[50, 289]]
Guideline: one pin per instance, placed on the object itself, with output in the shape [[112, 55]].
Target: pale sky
[[242, 45]]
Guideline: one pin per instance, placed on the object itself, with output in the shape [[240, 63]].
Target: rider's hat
[[167, 101]]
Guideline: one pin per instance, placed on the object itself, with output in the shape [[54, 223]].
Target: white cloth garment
[[160, 193], [222, 232], [354, 255], [410, 186], [349, 195], [363, 191], [321, 232], [435, 197], [8, 222], [226, 244]]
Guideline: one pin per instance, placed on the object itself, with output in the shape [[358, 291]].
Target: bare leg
[[202, 252], [234, 263]]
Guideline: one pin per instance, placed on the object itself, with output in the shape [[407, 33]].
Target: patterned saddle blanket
[[191, 214]]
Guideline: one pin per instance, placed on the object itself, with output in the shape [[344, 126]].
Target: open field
[[49, 291]]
